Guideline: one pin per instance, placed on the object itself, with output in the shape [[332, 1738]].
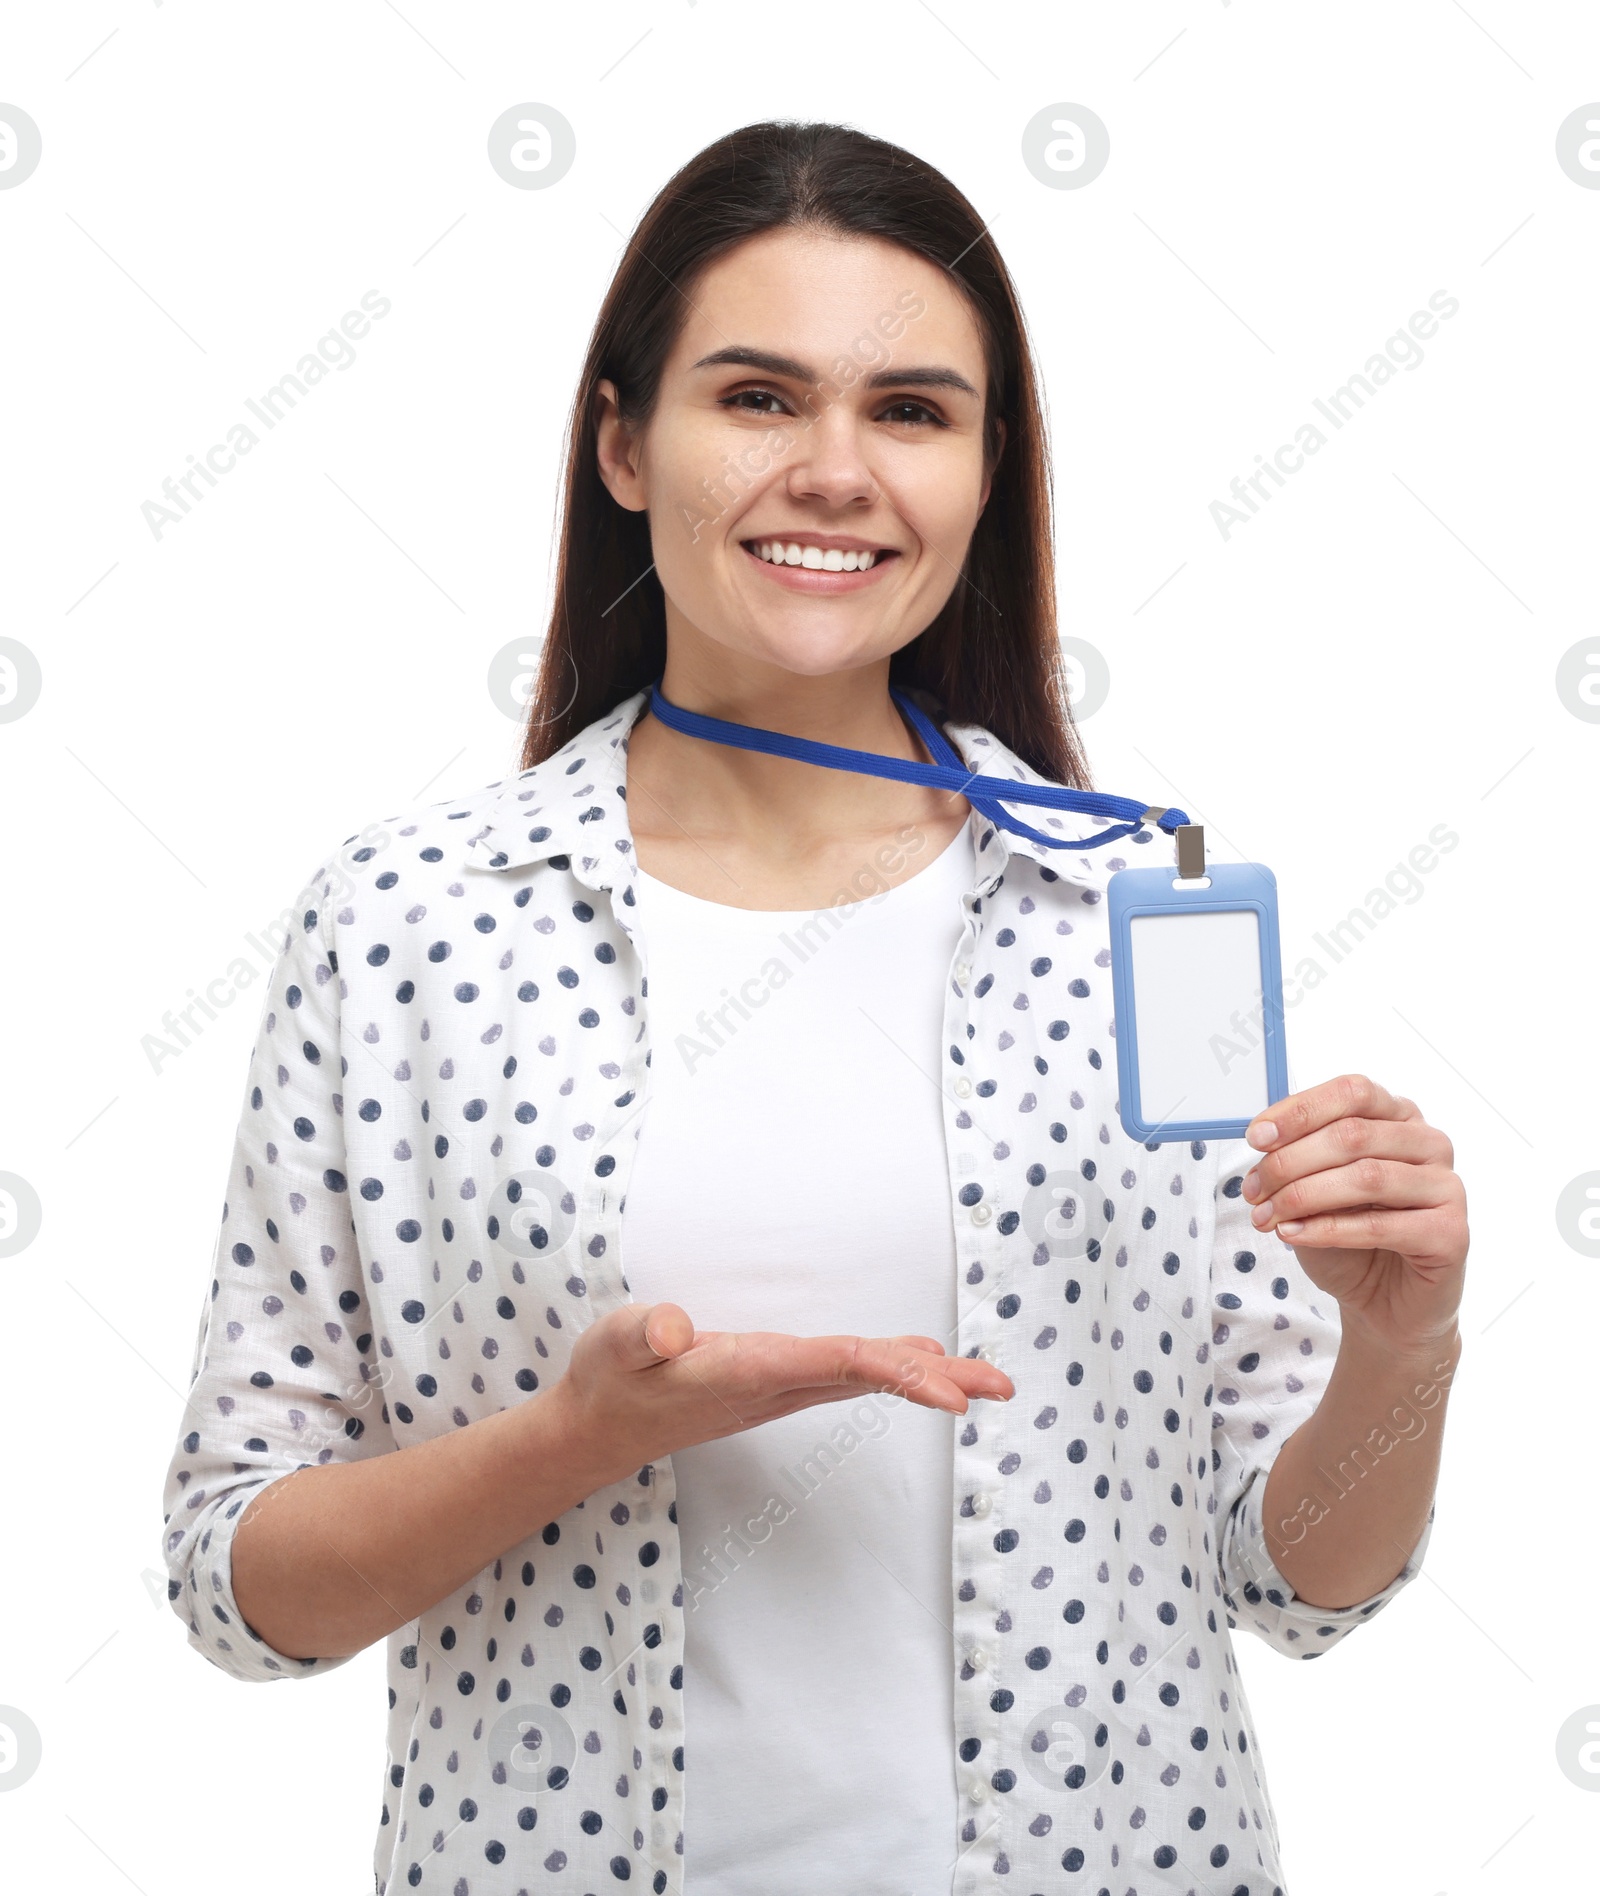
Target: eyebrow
[[739, 356]]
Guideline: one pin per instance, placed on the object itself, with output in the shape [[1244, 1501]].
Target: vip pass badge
[[1196, 982]]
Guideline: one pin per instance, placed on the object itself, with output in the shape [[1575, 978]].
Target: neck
[[689, 785]]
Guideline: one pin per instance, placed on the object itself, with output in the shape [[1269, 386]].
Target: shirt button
[[981, 1214], [980, 1504], [978, 1791], [962, 1087], [963, 969], [985, 1352], [978, 1658]]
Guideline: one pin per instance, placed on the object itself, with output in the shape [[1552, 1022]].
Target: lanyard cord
[[985, 794]]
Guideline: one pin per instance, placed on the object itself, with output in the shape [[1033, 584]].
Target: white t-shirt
[[791, 1176]]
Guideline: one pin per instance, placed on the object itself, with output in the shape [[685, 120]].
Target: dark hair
[[991, 657]]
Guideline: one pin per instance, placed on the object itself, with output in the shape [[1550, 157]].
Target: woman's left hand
[[1362, 1188]]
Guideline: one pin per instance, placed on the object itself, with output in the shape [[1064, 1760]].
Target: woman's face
[[824, 400]]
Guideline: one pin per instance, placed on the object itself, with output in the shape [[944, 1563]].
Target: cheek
[[939, 498], [701, 465], [683, 529], [674, 474], [691, 505]]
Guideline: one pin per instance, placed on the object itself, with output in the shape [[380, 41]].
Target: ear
[[618, 450], [989, 472]]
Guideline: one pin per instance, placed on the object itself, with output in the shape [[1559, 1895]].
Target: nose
[[830, 463]]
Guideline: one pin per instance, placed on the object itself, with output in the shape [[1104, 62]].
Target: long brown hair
[[991, 657]]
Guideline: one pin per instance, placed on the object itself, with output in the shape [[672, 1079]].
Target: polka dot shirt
[[423, 1212]]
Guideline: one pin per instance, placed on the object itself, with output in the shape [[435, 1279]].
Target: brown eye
[[741, 399], [914, 413]]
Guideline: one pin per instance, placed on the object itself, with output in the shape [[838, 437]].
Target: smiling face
[[813, 468]]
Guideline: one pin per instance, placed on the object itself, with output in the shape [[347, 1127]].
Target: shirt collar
[[572, 804]]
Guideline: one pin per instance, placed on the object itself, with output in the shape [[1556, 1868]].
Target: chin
[[811, 652]]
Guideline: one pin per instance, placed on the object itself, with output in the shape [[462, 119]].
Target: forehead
[[810, 294]]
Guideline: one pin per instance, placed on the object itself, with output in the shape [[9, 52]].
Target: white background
[[1374, 654]]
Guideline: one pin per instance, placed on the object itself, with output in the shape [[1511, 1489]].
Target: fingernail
[[1252, 1179], [1291, 1225], [1262, 1134], [1262, 1214]]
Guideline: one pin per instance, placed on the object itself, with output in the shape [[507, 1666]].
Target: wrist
[[564, 1437], [1433, 1354]]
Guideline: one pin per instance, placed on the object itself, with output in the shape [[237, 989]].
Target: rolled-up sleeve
[[1274, 1340], [283, 1376]]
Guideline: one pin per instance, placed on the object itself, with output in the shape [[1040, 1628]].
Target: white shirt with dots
[[454, 1066]]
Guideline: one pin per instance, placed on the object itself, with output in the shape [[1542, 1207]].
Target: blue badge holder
[[1197, 989]]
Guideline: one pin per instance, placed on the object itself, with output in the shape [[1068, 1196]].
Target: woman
[[664, 1032]]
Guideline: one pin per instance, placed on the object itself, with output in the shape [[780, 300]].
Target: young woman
[[663, 1033]]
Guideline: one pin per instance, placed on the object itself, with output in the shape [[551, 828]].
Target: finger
[[951, 1402], [899, 1366], [929, 1389], [1419, 1236], [912, 1358], [1343, 1143], [652, 1334], [1378, 1184], [927, 1396], [943, 1376], [840, 1346], [767, 1364], [1351, 1094]]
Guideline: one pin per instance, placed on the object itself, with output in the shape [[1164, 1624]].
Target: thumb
[[651, 1334]]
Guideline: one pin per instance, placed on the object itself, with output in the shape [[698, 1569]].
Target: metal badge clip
[[1191, 850], [1191, 841]]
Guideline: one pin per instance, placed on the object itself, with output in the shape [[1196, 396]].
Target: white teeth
[[818, 559]]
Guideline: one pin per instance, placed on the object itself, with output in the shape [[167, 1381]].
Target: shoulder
[[422, 841], [436, 837]]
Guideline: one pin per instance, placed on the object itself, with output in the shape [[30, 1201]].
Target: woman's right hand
[[643, 1381]]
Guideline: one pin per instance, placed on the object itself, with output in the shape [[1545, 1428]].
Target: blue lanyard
[[985, 794]]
